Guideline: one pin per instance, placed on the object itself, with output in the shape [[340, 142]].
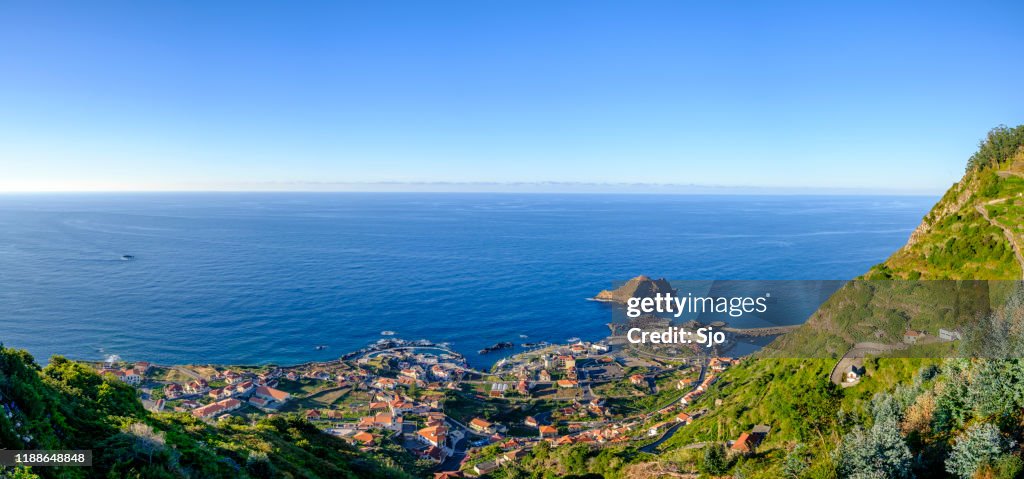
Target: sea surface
[[260, 278]]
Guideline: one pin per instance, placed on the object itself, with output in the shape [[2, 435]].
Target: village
[[459, 421]]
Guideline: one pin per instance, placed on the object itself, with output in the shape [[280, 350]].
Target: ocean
[[263, 278]]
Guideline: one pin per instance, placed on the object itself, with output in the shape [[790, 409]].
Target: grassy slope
[[68, 406], [954, 242]]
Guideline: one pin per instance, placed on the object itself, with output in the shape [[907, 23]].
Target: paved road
[[453, 462], [652, 448]]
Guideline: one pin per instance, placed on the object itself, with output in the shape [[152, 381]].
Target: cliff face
[[638, 287], [975, 231]]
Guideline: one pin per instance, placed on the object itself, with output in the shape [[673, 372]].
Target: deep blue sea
[[257, 278]]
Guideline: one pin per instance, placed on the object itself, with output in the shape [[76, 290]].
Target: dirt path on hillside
[[1006, 231]]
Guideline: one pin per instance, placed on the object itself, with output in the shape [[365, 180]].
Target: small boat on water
[[574, 340], [127, 257], [523, 336], [321, 347], [387, 333]]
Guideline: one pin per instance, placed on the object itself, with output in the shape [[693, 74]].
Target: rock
[[638, 287]]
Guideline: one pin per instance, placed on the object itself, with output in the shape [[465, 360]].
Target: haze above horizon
[[865, 97]]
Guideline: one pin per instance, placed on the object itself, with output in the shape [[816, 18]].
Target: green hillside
[[921, 417], [975, 230], [66, 405]]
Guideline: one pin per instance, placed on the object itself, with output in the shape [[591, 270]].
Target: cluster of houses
[[418, 420], [562, 361], [132, 375], [239, 388], [391, 413], [715, 366]]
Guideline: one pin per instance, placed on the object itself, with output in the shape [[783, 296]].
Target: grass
[[302, 386]]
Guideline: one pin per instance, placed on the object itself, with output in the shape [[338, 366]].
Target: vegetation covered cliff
[[942, 414]]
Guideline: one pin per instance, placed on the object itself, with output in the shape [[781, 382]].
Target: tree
[[258, 465], [879, 452], [715, 462], [796, 462], [980, 445]]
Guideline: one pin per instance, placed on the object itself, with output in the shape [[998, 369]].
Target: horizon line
[[539, 187]]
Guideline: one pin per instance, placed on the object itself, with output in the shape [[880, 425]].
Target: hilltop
[[975, 232]]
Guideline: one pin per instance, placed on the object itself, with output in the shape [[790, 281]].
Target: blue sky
[[214, 95]]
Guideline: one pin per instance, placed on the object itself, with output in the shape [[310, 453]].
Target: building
[[383, 420], [748, 442], [498, 390], [485, 467], [434, 436], [912, 336], [950, 335], [131, 376], [434, 454], [744, 444], [449, 475], [232, 377], [271, 395], [720, 364], [637, 380], [364, 438], [514, 455], [218, 407], [199, 386], [853, 375], [568, 383], [173, 391], [600, 347], [481, 425], [545, 376], [684, 418], [547, 431], [531, 421], [657, 428]]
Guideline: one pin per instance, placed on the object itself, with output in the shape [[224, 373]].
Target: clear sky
[[293, 95]]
